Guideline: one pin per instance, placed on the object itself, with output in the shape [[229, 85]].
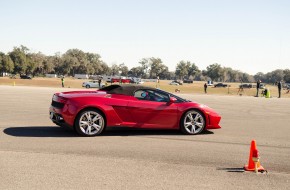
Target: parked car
[[246, 86], [176, 82], [122, 80], [25, 77], [93, 84], [187, 81], [220, 85], [89, 112], [262, 86]]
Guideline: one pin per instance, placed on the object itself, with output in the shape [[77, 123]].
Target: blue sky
[[246, 35]]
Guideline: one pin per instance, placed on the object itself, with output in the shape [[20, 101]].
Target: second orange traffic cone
[[253, 154]]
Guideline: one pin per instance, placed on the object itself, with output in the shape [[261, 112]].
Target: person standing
[[100, 81], [258, 87], [279, 84], [205, 87], [62, 81]]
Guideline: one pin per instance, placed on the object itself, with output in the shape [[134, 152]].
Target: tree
[[233, 75], [57, 64], [214, 71], [182, 69], [115, 69], [2, 62], [75, 61], [35, 63], [193, 70], [276, 75], [123, 69], [145, 64], [155, 67], [19, 58], [245, 77], [48, 65], [106, 69], [163, 72], [6, 63], [136, 72], [287, 75], [260, 76], [95, 64]]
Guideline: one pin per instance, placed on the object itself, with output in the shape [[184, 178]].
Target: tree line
[[74, 61]]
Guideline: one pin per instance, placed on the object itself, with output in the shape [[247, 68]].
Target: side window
[[160, 97], [150, 95], [140, 94]]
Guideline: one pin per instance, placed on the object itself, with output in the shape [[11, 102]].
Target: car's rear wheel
[[192, 123], [90, 123], [87, 86]]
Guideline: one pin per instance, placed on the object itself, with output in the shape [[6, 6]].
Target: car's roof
[[124, 89]]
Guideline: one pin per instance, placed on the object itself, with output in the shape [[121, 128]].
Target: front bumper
[[213, 121]]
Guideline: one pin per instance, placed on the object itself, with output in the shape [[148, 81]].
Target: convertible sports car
[[90, 112]]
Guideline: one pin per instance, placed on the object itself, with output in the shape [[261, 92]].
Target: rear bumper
[[57, 118]]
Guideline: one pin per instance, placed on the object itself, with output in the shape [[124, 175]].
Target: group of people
[[278, 83], [264, 92]]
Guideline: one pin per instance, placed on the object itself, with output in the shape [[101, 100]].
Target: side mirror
[[172, 100]]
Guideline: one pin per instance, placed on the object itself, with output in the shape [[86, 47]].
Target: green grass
[[195, 88]]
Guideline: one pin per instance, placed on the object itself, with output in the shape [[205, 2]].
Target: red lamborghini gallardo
[[90, 112]]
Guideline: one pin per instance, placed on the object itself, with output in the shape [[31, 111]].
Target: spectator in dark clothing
[[279, 84], [205, 87], [100, 81], [258, 87], [62, 81]]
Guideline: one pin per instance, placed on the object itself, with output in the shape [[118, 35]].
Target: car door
[[151, 109]]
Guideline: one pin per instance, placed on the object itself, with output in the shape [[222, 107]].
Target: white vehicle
[[209, 83], [93, 84], [174, 83], [107, 78], [136, 80]]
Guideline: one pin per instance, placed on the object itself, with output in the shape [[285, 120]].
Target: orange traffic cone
[[254, 160]]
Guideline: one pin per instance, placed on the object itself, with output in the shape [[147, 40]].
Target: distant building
[[81, 76]]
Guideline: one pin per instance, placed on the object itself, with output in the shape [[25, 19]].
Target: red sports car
[[90, 112]]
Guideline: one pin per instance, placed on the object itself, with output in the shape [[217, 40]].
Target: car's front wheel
[[192, 123], [87, 86], [90, 123]]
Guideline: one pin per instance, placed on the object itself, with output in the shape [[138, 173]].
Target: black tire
[[87, 86], [90, 122], [192, 122]]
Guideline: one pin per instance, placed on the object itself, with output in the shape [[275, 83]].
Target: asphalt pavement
[[36, 154]]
